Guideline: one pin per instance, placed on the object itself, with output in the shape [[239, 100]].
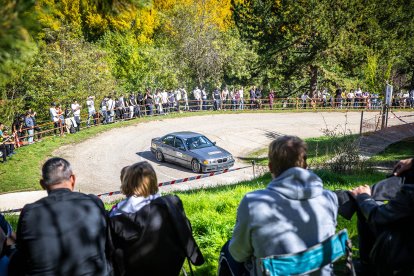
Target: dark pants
[[3, 152], [78, 122], [228, 266]]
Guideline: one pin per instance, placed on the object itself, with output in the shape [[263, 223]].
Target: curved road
[[97, 162]]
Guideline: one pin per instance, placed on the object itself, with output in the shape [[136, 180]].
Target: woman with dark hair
[[151, 233]]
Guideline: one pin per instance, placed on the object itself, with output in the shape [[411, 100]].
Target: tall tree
[[297, 37]]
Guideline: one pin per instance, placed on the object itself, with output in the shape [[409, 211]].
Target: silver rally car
[[191, 150]]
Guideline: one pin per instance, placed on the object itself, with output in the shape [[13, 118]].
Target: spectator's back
[[63, 233]]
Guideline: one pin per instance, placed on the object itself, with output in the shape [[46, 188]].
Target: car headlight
[[153, 145], [205, 162]]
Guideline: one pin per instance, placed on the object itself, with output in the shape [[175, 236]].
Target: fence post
[[360, 125], [384, 116], [254, 172]]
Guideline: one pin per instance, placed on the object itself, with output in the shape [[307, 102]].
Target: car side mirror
[[214, 143]]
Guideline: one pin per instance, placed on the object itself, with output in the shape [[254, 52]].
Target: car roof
[[185, 134]]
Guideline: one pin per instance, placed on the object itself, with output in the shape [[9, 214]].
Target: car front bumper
[[216, 167]]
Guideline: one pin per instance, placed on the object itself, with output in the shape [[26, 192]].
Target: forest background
[[56, 51]]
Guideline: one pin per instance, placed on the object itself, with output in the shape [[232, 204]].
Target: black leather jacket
[[61, 234]]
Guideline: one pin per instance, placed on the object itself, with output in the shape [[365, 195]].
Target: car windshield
[[198, 142]]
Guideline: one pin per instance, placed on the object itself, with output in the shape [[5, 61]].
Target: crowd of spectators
[[70, 233], [117, 107]]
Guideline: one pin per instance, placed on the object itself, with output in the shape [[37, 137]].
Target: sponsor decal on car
[[214, 152]]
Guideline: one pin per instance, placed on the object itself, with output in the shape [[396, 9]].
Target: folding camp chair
[[311, 259]]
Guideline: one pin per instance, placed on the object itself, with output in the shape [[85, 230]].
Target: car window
[[178, 143], [198, 142], [168, 140]]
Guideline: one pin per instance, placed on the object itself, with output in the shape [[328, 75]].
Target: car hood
[[211, 152]]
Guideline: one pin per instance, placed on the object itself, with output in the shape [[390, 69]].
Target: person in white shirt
[[91, 110], [204, 99], [304, 99], [164, 101], [184, 96], [350, 98], [111, 109], [241, 98], [177, 94], [158, 101], [76, 113], [197, 97], [54, 116], [224, 95]]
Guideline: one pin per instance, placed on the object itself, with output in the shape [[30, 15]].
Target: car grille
[[222, 160]]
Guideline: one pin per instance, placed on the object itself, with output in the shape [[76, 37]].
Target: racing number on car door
[[168, 147], [180, 152]]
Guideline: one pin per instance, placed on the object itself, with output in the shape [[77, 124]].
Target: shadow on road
[[272, 134], [148, 155]]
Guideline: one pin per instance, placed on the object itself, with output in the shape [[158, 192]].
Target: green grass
[[320, 149], [397, 151], [212, 212]]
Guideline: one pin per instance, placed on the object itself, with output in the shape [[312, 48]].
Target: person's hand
[[365, 189], [402, 166]]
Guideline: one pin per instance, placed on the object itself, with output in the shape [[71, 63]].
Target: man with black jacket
[[63, 233], [395, 218]]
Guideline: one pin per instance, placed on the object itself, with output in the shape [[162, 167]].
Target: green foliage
[[64, 70], [16, 44], [290, 46]]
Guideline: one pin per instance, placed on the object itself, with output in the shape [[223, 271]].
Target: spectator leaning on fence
[[76, 109], [29, 125], [291, 214], [91, 110], [54, 117], [36, 127], [4, 145], [63, 233]]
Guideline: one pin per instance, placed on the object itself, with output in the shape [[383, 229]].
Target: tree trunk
[[313, 80]]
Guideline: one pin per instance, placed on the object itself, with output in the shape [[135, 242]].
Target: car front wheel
[[159, 156], [195, 166]]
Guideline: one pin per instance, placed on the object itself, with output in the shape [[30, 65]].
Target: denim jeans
[[91, 114], [30, 132]]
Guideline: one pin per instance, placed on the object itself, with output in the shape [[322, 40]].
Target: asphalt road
[[98, 161]]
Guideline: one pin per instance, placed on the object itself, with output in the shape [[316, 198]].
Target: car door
[[181, 154], [168, 148]]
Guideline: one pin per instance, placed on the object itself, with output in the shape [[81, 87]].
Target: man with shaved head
[[63, 233]]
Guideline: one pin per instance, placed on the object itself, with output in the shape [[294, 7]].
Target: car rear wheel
[[195, 166], [159, 156]]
